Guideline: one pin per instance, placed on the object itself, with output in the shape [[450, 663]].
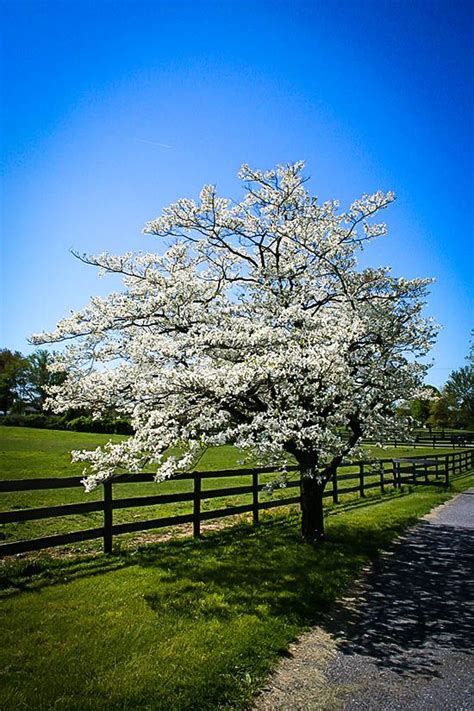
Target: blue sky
[[111, 110]]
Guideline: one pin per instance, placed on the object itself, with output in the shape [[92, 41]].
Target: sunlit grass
[[184, 624]]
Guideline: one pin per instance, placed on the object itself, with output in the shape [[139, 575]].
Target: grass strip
[[190, 624]]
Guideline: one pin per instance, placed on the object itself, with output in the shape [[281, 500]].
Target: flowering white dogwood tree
[[253, 327]]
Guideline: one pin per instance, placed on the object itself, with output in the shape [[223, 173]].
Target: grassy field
[[29, 453], [183, 625]]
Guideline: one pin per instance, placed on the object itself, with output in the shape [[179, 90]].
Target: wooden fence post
[[335, 496], [446, 471], [108, 510], [399, 475], [361, 479], [255, 497], [197, 505]]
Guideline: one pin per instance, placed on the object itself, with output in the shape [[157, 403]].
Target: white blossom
[[256, 327]]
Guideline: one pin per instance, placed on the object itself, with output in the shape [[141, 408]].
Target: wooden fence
[[433, 439], [363, 476]]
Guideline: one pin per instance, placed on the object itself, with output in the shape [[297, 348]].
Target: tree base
[[312, 517]]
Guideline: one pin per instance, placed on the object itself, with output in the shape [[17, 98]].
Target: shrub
[[84, 423]]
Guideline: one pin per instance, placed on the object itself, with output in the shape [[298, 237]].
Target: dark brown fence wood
[[255, 497], [138, 501], [42, 483], [335, 496], [197, 506], [108, 514], [435, 439], [231, 491], [350, 489], [50, 512], [372, 485], [361, 479], [348, 477]]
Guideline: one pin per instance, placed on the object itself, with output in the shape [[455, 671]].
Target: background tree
[[36, 378], [420, 407], [459, 394], [12, 365], [440, 413], [455, 405], [24, 380], [254, 328]]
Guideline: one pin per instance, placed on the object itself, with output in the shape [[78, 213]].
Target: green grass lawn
[[26, 453], [182, 625], [30, 453]]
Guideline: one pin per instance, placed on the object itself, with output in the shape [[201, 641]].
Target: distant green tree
[[440, 413], [459, 393], [36, 378], [455, 407], [470, 355], [420, 408], [12, 365]]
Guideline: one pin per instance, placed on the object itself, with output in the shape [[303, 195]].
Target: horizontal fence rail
[[364, 476], [429, 439]]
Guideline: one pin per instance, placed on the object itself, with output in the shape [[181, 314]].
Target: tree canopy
[[459, 393], [454, 405], [254, 327], [12, 364], [24, 380]]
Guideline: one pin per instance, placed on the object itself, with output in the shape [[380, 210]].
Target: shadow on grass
[[264, 562], [27, 575], [415, 601], [264, 571]]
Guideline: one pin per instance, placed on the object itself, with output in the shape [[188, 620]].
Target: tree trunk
[[312, 518]]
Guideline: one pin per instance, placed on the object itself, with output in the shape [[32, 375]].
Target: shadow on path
[[416, 600]]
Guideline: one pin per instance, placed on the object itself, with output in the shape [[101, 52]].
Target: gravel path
[[405, 636]]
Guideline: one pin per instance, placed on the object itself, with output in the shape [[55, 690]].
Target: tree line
[[24, 381], [450, 407], [24, 384]]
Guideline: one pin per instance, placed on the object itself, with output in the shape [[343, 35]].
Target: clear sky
[[111, 110]]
